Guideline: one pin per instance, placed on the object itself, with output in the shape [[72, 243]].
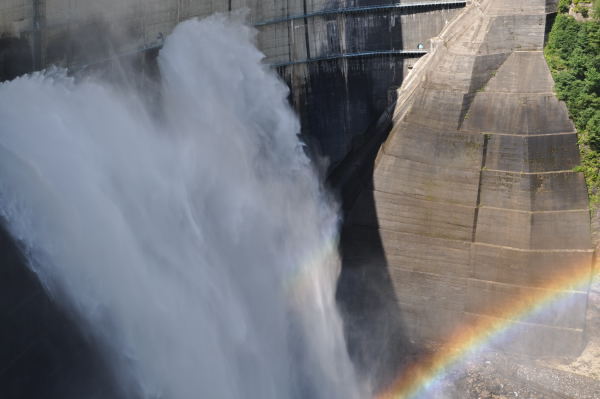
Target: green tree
[[563, 6], [593, 131], [573, 54], [564, 37], [592, 81]]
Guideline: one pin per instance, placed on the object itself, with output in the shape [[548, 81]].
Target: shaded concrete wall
[[336, 99], [42, 353], [472, 200]]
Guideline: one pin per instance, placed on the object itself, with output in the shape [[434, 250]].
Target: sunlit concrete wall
[[474, 209]]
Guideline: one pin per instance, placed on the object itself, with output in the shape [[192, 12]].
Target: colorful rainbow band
[[421, 377]]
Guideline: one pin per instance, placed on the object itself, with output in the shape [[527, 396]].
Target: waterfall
[[193, 241]]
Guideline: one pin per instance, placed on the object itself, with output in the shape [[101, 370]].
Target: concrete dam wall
[[473, 200], [343, 59]]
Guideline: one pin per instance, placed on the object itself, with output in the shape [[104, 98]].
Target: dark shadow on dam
[[15, 57], [373, 324], [339, 99], [355, 99], [43, 353]]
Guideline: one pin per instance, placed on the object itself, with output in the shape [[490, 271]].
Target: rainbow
[[421, 377]]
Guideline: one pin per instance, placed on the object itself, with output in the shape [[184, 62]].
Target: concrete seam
[[531, 135], [478, 202], [529, 93], [535, 250], [579, 330], [426, 163], [533, 173], [458, 278], [403, 53], [534, 212], [306, 38], [519, 285], [423, 199], [454, 240]]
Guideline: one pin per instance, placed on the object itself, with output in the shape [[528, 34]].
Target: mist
[[195, 242]]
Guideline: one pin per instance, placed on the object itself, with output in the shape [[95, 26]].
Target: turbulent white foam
[[197, 247]]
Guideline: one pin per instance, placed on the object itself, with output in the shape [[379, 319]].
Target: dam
[[499, 208], [358, 50], [439, 127]]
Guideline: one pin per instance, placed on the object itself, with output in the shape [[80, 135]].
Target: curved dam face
[[342, 59], [472, 202], [472, 212]]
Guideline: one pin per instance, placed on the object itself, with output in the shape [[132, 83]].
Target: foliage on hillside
[[573, 54]]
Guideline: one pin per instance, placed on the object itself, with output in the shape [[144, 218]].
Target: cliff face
[[473, 200]]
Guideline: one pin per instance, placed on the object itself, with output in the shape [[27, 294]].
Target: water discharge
[[195, 244]]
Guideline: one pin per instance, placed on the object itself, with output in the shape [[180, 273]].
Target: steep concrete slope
[[473, 198]]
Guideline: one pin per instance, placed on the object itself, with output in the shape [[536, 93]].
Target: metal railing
[[350, 10], [413, 53], [156, 46]]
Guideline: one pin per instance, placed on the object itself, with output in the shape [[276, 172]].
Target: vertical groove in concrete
[[37, 35], [306, 39], [478, 202]]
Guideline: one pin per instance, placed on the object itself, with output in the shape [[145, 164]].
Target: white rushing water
[[196, 246]]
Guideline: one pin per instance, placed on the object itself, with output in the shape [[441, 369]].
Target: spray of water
[[196, 246]]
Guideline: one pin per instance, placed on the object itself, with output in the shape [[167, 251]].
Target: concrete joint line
[[533, 212], [405, 53], [530, 135], [441, 202], [543, 93], [381, 229], [425, 163], [531, 173], [529, 323], [537, 251], [478, 201], [521, 286]]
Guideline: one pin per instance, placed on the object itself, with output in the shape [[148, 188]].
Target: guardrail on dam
[[357, 9]]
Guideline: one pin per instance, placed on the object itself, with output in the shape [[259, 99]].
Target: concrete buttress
[[473, 198]]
